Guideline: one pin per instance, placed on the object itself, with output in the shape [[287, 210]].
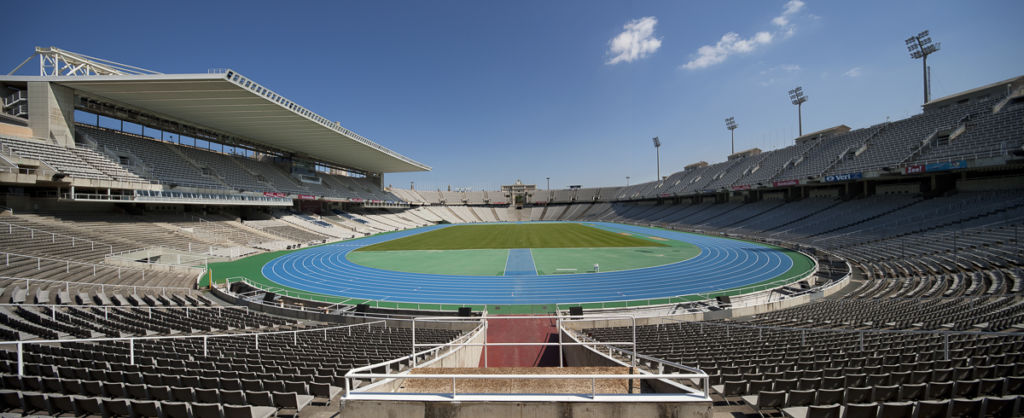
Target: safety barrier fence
[[687, 394], [205, 338]]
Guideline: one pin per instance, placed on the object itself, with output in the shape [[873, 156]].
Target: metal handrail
[[205, 338], [633, 354], [102, 286], [359, 373], [68, 263], [53, 235]]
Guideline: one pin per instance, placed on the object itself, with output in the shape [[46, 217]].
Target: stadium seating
[[282, 373]]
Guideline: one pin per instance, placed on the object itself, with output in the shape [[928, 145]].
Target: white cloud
[[786, 27], [792, 6], [731, 43], [636, 41], [853, 72]]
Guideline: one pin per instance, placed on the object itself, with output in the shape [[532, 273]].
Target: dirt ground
[[499, 385]]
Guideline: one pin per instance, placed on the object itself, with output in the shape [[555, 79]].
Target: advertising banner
[[843, 177], [913, 169], [945, 166]]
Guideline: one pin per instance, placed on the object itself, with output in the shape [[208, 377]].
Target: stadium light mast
[[921, 46], [657, 153], [549, 189], [796, 96], [627, 181], [730, 124]]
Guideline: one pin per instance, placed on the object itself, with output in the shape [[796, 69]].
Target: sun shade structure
[[222, 101]]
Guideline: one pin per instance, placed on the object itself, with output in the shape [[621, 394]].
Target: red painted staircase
[[521, 330]]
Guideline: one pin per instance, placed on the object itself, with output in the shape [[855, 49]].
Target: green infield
[[505, 236]]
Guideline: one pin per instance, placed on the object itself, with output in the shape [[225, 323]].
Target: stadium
[[197, 244]]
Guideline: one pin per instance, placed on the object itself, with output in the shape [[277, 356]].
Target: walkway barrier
[[11, 228], [163, 290], [131, 340], [688, 394], [805, 332]]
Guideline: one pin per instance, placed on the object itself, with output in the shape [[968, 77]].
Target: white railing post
[[131, 351], [633, 350], [21, 360], [414, 344], [204, 347]]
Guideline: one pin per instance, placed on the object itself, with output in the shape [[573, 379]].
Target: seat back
[[175, 409], [823, 411], [933, 409], [897, 410], [206, 410], [861, 410]]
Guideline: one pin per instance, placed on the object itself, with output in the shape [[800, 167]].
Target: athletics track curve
[[722, 264]]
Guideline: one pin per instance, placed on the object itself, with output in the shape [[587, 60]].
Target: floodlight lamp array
[[797, 95]]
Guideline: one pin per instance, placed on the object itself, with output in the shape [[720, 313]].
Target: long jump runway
[[722, 264]]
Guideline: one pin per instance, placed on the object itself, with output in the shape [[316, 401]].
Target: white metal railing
[[860, 332], [66, 263], [103, 286], [364, 394], [653, 363], [486, 320], [53, 235], [189, 259], [205, 337]]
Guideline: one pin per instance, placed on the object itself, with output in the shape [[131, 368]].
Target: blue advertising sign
[[945, 166], [843, 177]]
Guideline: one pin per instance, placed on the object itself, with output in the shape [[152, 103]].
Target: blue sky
[[490, 92]]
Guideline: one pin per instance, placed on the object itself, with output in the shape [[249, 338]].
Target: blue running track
[[722, 264], [520, 263]]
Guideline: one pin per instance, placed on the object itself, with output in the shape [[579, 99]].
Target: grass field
[[554, 235]]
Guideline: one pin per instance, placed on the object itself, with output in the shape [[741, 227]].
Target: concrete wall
[[580, 356], [51, 112], [15, 130]]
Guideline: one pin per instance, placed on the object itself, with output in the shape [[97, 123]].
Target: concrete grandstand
[[122, 186]]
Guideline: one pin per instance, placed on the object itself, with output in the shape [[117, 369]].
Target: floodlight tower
[[797, 97], [921, 46], [730, 124], [657, 152]]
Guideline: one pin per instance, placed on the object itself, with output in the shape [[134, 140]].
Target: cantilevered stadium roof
[[231, 103]]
